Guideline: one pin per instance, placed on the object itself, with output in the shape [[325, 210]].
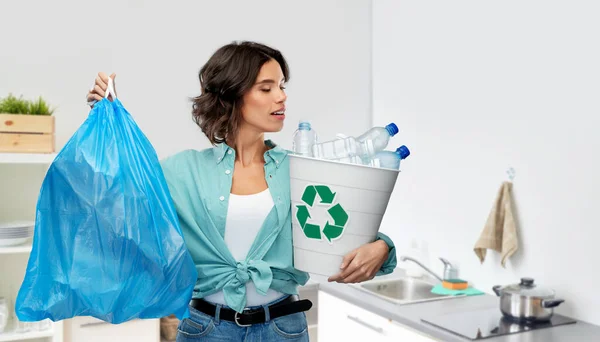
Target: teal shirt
[[200, 184]]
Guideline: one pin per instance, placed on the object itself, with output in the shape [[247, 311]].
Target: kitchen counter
[[410, 315]]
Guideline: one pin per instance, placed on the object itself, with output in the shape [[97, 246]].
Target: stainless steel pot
[[526, 301]]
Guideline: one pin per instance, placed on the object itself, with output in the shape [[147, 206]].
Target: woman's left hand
[[362, 263]]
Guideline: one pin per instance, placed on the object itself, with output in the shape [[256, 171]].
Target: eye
[[265, 90], [282, 87]]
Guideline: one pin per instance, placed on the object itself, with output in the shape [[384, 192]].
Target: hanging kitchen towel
[[500, 231]]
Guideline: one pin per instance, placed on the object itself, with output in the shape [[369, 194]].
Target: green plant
[[14, 105], [40, 107], [17, 105]]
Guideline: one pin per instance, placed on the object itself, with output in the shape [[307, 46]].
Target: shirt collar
[[275, 153], [219, 151]]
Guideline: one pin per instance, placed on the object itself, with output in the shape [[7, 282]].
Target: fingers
[[101, 83], [348, 259], [345, 269], [357, 266], [102, 80], [359, 274], [92, 97], [103, 77], [336, 277], [355, 277], [351, 268], [344, 273], [99, 91]]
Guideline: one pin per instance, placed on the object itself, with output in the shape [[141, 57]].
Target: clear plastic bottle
[[391, 159], [304, 139], [350, 160], [364, 146]]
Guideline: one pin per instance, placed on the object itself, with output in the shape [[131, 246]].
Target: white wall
[[55, 49], [477, 87]]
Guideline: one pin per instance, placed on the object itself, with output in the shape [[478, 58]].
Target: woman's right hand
[[98, 91]]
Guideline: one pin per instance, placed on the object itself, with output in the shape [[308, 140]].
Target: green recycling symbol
[[331, 230]]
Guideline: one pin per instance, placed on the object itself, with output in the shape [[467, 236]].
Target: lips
[[280, 111]]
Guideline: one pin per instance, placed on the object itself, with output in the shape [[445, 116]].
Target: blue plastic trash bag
[[107, 241]]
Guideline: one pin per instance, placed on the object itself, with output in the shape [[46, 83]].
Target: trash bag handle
[[110, 89]]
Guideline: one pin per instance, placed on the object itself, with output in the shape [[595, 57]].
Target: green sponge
[[440, 290]]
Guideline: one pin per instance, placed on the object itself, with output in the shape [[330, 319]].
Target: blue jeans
[[202, 327]]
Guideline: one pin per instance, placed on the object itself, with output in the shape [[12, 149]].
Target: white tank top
[[245, 217]]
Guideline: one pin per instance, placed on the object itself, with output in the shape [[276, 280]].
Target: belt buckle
[[236, 317]]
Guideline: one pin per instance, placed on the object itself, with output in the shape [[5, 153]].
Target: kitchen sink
[[404, 290]]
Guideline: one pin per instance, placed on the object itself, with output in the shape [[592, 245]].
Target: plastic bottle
[[391, 159], [303, 139], [350, 160], [364, 146]]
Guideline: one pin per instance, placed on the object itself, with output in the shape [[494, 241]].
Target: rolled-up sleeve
[[390, 264]]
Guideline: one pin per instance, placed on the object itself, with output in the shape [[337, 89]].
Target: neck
[[249, 147]]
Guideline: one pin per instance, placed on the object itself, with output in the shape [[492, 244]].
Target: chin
[[273, 128]]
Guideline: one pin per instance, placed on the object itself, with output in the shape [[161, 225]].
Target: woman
[[233, 203]]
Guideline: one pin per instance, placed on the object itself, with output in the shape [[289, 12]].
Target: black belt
[[287, 306]]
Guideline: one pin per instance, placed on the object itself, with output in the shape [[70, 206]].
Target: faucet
[[450, 272]]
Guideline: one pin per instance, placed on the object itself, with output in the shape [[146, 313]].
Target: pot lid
[[527, 288]]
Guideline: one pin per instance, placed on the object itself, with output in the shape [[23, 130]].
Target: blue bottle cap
[[392, 129], [403, 151], [304, 125]]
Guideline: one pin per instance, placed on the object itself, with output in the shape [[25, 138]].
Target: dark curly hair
[[229, 73]]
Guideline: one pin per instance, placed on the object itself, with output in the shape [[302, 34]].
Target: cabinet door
[[89, 329], [342, 321], [399, 332]]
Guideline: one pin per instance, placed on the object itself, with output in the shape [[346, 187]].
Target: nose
[[282, 96]]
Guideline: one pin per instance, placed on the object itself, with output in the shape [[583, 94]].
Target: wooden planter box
[[26, 133]]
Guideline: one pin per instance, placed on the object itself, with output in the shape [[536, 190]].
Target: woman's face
[[264, 104]]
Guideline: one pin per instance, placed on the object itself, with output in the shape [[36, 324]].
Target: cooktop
[[481, 324]]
